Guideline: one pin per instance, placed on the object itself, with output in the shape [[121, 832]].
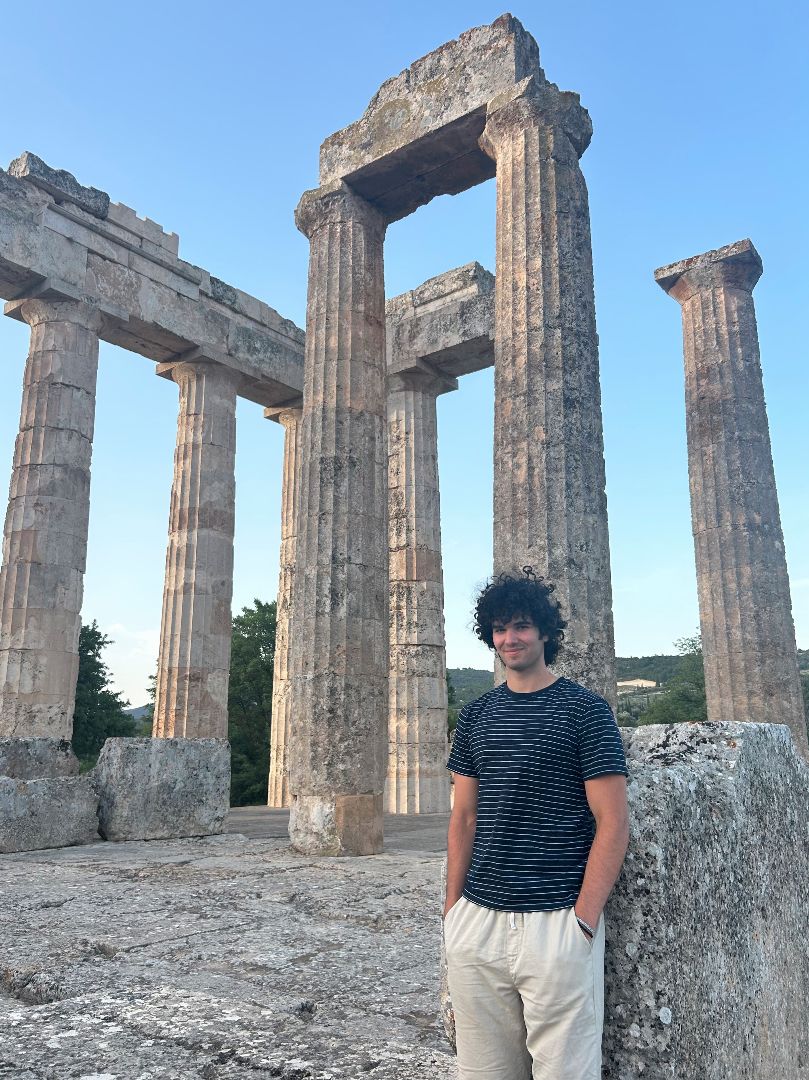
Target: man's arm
[[461, 836], [606, 796]]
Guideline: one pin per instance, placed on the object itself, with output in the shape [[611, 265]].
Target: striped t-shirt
[[531, 754]]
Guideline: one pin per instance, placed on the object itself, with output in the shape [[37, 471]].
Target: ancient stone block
[[36, 759], [418, 136], [155, 789], [61, 184], [47, 813], [706, 962]]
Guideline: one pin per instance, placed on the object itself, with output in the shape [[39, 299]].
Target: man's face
[[518, 644]]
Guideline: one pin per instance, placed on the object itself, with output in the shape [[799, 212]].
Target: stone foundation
[[47, 813], [159, 789], [707, 964]]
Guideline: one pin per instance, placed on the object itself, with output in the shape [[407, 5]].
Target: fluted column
[[278, 788], [194, 660], [550, 508], [748, 636], [417, 780], [45, 536], [339, 655]]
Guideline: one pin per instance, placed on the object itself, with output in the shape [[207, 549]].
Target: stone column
[[194, 661], [417, 781], [278, 788], [748, 637], [550, 507], [339, 655], [45, 537]]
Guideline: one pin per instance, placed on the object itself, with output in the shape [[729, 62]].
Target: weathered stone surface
[[162, 788], [417, 780], [418, 136], [550, 508], [448, 322], [47, 813], [191, 698], [706, 962], [152, 302], [45, 536], [748, 636], [61, 184], [339, 654], [278, 787], [223, 958], [36, 759]]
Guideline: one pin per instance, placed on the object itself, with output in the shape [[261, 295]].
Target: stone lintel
[[445, 325], [61, 184], [418, 138], [152, 302], [735, 265]]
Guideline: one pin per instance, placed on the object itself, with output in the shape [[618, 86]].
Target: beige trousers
[[527, 991]]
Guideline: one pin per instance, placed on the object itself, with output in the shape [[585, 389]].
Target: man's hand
[[460, 837]]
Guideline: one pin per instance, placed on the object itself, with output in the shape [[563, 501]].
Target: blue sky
[[208, 118]]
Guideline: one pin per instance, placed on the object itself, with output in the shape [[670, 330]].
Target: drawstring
[[512, 920]]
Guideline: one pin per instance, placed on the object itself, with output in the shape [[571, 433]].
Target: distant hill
[[469, 683], [139, 712], [660, 668]]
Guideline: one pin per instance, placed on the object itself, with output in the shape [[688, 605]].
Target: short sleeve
[[601, 751], [460, 758]]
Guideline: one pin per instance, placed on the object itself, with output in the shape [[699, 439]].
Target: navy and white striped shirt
[[531, 754]]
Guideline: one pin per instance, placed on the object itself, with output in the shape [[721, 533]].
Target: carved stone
[[45, 537], [748, 637], [278, 788], [192, 678], [550, 508], [339, 654], [417, 780]]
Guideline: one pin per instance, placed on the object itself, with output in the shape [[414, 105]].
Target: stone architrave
[[45, 538], [278, 788], [748, 636], [417, 781], [550, 508], [417, 778], [339, 654], [194, 662]]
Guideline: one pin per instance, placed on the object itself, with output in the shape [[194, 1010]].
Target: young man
[[537, 836]]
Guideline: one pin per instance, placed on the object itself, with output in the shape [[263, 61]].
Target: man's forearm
[[460, 839], [603, 867]]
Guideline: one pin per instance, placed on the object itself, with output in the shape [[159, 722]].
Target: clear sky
[[208, 118]]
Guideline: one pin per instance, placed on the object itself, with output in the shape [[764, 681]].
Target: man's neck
[[527, 682]]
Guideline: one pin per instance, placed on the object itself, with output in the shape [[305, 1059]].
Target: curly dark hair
[[520, 592]]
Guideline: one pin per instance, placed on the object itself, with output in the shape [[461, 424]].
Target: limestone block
[[418, 136], [156, 789], [47, 813], [706, 960], [36, 759], [59, 183]]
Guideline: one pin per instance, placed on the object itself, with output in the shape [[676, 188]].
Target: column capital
[[536, 104], [423, 380], [333, 203], [735, 266], [286, 415], [36, 311], [196, 362]]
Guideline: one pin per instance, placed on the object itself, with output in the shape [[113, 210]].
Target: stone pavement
[[224, 957]]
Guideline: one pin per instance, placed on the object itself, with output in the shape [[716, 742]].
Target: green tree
[[684, 696], [453, 708], [99, 712], [252, 654]]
